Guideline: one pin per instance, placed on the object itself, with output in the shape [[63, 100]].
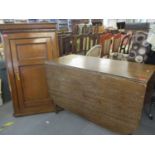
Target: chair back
[[85, 29], [82, 43], [116, 42], [76, 29], [125, 44], [65, 44], [95, 51], [105, 42]]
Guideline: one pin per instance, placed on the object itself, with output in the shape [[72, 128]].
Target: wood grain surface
[[108, 92], [25, 54]]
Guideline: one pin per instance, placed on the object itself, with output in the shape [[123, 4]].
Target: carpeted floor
[[63, 123]]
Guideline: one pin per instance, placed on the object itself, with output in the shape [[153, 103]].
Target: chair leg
[[150, 111]]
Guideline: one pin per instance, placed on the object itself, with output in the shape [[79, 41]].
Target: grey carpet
[[63, 123]]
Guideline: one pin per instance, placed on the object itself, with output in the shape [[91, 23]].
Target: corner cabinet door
[[28, 57]]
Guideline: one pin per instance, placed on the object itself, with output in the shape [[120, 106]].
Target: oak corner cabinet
[[27, 47]]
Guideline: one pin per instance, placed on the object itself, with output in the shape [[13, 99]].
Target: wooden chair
[[78, 44], [85, 29], [116, 42], [93, 40], [82, 43], [75, 29], [65, 44], [95, 51], [105, 42], [125, 44], [95, 29]]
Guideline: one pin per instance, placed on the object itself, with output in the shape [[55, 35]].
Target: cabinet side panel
[[10, 71]]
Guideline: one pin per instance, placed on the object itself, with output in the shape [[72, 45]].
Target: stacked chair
[[106, 42], [116, 42]]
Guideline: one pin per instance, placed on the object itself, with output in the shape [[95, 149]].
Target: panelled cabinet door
[[28, 58]]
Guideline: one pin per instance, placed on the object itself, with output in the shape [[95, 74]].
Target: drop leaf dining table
[[110, 93]]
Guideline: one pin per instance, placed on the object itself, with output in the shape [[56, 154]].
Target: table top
[[131, 70]]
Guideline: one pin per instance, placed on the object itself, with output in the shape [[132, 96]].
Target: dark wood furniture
[[25, 27], [82, 43], [65, 43], [27, 47], [108, 92], [97, 21], [75, 22], [79, 44]]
